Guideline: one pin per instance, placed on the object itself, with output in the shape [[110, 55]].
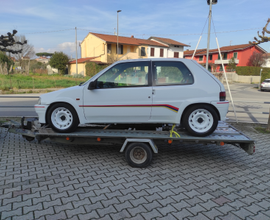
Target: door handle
[[153, 91]]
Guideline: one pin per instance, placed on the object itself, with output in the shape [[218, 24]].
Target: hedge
[[92, 68], [253, 71]]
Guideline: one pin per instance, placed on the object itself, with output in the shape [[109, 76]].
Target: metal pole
[[228, 86], [117, 34], [209, 29], [76, 51], [260, 79]]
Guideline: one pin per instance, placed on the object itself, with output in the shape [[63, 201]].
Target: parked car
[[144, 91], [265, 85]]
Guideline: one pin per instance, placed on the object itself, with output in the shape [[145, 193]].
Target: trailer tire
[[62, 118], [138, 155], [200, 120], [28, 138]]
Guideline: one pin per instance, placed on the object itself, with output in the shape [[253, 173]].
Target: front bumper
[[41, 111]]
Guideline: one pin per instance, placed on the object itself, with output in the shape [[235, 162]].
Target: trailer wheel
[[28, 138], [62, 118], [200, 120], [138, 155]]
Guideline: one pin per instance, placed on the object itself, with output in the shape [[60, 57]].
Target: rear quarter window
[[171, 73]]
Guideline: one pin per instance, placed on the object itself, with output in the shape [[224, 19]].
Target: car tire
[[138, 155], [62, 118], [200, 120]]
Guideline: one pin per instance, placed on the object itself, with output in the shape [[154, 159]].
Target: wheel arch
[[203, 103], [53, 103]]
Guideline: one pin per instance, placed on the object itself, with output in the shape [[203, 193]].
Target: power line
[[107, 32], [43, 32]]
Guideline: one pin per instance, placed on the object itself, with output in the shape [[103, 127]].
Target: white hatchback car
[[144, 91], [265, 85]]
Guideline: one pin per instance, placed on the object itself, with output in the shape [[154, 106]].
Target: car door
[[172, 85], [120, 95]]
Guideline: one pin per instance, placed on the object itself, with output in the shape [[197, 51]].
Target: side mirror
[[92, 85]]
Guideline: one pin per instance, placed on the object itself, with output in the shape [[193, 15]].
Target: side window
[[171, 73], [125, 75]]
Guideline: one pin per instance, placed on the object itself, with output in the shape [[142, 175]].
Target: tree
[[8, 41], [26, 50], [263, 37], [263, 40], [232, 65], [44, 54], [59, 60], [257, 59], [5, 59]]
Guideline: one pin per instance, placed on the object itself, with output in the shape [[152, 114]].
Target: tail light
[[222, 96]]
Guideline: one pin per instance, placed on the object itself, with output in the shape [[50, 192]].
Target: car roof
[[152, 59]]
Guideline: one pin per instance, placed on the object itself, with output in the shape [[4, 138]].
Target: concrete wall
[[81, 69], [234, 77]]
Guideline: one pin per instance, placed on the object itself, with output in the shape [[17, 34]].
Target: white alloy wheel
[[138, 155], [200, 120], [61, 118]]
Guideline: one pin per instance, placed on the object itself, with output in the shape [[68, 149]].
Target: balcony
[[226, 61]]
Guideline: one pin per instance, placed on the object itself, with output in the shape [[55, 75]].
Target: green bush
[[5, 59], [92, 68], [265, 73], [248, 70], [253, 71]]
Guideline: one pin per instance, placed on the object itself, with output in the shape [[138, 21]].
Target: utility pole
[[209, 30], [117, 35], [76, 51]]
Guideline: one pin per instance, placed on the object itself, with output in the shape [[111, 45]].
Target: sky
[[50, 25]]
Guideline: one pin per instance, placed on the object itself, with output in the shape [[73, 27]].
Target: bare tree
[[262, 37], [257, 59], [27, 50], [263, 40]]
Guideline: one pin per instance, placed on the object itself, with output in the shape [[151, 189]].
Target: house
[[174, 48], [101, 49], [267, 64], [43, 59], [241, 54]]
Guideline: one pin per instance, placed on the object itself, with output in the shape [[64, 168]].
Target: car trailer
[[138, 146]]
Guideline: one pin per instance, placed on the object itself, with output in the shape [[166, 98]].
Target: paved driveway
[[53, 181]]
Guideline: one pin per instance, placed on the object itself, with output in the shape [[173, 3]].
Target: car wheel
[[62, 118], [200, 120], [138, 155]]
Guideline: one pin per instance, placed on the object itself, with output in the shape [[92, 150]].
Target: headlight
[[39, 101]]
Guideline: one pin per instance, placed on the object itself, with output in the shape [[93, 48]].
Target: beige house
[[101, 49]]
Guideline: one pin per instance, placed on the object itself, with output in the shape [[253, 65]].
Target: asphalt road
[[246, 99], [21, 106]]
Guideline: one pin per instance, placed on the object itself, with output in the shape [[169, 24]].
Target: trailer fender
[[149, 141], [248, 147]]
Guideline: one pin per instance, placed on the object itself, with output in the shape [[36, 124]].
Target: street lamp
[[117, 33], [209, 2]]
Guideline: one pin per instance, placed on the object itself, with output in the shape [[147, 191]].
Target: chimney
[[132, 36]]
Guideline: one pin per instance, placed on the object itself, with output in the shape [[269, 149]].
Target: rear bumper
[[41, 111], [265, 88], [222, 107]]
